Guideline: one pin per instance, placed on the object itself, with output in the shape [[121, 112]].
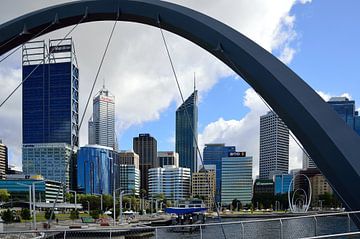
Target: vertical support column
[[315, 220], [34, 205], [349, 222], [281, 229], [64, 234], [242, 230], [156, 233], [201, 232]]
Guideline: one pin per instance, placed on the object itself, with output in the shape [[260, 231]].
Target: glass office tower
[[212, 155], [186, 128], [50, 107], [94, 169]]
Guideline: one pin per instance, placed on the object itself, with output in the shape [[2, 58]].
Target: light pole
[[34, 201], [75, 197], [122, 193], [114, 203], [88, 203], [101, 200]]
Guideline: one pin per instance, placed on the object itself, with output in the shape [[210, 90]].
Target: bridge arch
[[334, 147]]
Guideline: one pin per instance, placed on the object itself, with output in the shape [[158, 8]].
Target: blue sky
[[323, 35]]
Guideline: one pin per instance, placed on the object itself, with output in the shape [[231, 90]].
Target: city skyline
[[231, 119]]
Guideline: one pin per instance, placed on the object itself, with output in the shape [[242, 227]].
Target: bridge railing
[[329, 225]]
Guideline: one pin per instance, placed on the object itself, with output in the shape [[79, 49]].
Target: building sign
[[59, 49], [237, 154]]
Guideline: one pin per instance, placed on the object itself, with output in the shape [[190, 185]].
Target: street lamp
[[114, 203], [101, 200], [122, 193], [75, 197], [88, 203], [34, 201]]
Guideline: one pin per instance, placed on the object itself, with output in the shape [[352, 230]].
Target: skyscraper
[[212, 155], [49, 106], [274, 146], [94, 169], [129, 173], [203, 185], [345, 108], [236, 177], [186, 129], [146, 147], [102, 124], [3, 160]]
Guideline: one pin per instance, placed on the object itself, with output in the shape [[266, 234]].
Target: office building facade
[[168, 158], [50, 160], [45, 190], [274, 146], [236, 177], [95, 170], [127, 171], [50, 107], [146, 147], [282, 183], [3, 160], [186, 133], [203, 185], [102, 124], [173, 182], [212, 155]]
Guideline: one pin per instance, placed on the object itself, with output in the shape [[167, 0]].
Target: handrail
[[333, 235], [188, 225]]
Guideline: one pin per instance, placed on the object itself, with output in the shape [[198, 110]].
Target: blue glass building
[[345, 108], [94, 167], [186, 128], [212, 155], [282, 183], [50, 94]]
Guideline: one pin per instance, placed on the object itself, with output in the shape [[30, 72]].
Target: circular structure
[[305, 204], [332, 145]]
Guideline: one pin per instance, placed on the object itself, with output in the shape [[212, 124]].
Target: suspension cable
[[41, 62], [189, 120], [84, 113]]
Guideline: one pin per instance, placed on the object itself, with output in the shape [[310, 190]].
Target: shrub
[[25, 214]]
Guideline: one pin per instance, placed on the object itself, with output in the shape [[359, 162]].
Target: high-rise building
[[173, 182], [146, 147], [50, 107], [186, 132], [95, 167], [236, 177], [345, 108], [319, 186], [102, 124], [168, 158], [51, 160], [274, 146], [203, 186], [212, 155], [3, 160], [308, 162], [129, 173]]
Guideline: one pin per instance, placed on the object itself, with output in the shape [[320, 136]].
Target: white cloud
[[136, 68], [305, 1]]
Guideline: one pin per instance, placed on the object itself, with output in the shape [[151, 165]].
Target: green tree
[[25, 214], [69, 197], [108, 202], [74, 214], [8, 216], [95, 214], [48, 214], [4, 195]]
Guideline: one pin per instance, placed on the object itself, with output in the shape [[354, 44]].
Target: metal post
[[101, 203], [34, 206], [349, 222], [114, 205], [201, 235], [121, 212], [315, 220], [281, 230], [110, 234], [64, 234], [156, 233], [242, 230], [75, 201]]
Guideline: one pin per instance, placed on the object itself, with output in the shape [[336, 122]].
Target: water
[[292, 228]]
